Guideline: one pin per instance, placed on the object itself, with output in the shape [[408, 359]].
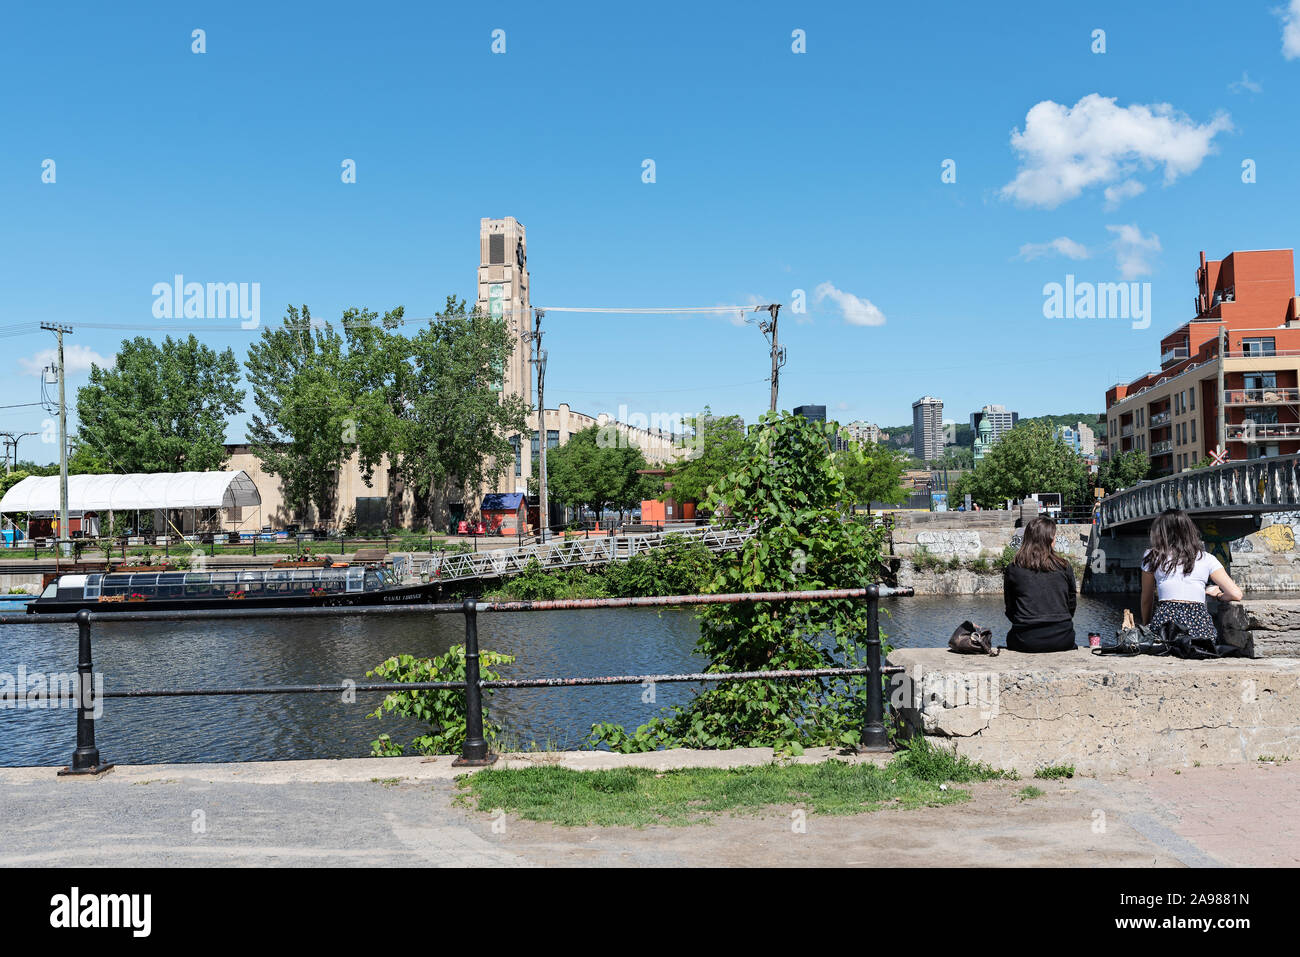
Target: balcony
[[1159, 419], [1161, 448], [1126, 431], [1263, 431], [1176, 354], [1277, 396]]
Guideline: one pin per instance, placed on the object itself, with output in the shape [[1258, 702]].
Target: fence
[[475, 753]]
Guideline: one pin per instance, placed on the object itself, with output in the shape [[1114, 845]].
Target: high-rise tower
[[503, 292]]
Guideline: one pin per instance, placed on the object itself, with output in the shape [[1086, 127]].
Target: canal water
[[161, 655]]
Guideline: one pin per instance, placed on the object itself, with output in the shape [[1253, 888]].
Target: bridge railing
[[1253, 485], [86, 758], [575, 553]]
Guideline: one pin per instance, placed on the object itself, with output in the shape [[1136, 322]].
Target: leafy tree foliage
[[441, 710], [1028, 459], [161, 407], [427, 405], [787, 484], [1123, 470], [873, 473], [433, 401], [717, 443], [597, 470], [300, 428]]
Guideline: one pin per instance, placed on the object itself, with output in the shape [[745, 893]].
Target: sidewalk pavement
[[401, 812]]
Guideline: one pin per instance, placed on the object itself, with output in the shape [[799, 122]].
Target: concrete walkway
[[400, 812]]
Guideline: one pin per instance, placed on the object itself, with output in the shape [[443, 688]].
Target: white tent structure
[[38, 495]]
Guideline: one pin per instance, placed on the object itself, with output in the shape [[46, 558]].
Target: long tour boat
[[230, 588]]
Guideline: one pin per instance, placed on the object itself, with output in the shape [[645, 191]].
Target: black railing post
[[475, 753], [85, 760], [874, 735]]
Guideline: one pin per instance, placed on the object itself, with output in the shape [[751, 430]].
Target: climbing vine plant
[[788, 485]]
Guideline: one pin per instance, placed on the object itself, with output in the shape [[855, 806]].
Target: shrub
[[443, 710]]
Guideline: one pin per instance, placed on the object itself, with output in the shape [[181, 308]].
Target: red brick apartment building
[[1172, 415]]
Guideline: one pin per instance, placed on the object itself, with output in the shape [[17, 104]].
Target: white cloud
[[1133, 250], [1061, 246], [76, 360], [1064, 150], [1290, 30], [1246, 84], [1125, 190], [856, 311]]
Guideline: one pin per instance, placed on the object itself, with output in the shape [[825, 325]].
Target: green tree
[[303, 427], [433, 401], [715, 445], [1028, 459], [873, 473], [160, 407], [786, 484], [596, 468], [1125, 469]]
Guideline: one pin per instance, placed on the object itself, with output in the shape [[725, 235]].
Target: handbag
[[1134, 639], [970, 639]]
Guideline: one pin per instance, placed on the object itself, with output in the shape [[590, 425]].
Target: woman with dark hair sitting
[[1177, 574], [1039, 590]]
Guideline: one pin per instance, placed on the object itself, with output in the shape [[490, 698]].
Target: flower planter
[[132, 569]]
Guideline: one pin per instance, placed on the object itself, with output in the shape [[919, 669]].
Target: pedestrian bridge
[[1234, 488], [574, 553]]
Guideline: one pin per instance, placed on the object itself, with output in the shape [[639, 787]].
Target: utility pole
[[65, 543], [539, 361], [1223, 358], [768, 328]]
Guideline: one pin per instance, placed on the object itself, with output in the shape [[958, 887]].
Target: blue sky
[[775, 171]]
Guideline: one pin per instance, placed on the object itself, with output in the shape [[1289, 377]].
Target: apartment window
[[518, 445], [552, 438], [1193, 430], [1259, 347], [1191, 395]]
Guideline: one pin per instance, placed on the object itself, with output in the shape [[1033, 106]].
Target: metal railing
[[1275, 396], [575, 553], [1258, 431], [86, 758], [1254, 485]]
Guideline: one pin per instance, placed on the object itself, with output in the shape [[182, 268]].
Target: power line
[[653, 310]]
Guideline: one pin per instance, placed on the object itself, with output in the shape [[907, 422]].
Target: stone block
[[1100, 714]]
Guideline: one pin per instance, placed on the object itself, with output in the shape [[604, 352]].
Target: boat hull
[[388, 596]]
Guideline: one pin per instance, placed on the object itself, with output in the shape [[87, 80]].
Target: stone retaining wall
[[967, 537], [1099, 714]]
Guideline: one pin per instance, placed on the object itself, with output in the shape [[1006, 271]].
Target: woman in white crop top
[[1178, 574]]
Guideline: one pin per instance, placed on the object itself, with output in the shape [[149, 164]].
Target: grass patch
[[1054, 771], [1030, 792], [638, 797]]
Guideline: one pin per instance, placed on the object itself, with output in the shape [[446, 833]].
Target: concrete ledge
[[352, 770], [1100, 714]]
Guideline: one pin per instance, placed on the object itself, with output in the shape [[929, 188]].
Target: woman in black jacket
[[1038, 587]]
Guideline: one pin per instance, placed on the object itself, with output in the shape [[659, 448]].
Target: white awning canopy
[[140, 491]]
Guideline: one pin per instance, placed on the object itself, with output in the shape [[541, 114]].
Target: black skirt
[[1192, 615], [1052, 636]]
